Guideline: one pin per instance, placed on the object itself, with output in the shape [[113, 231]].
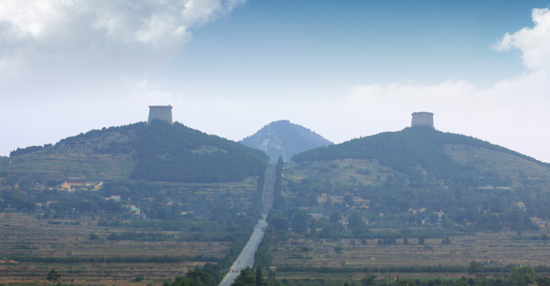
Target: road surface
[[246, 258]]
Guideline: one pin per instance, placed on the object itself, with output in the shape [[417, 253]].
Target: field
[[23, 235], [492, 249]]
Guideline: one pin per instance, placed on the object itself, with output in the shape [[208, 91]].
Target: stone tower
[[162, 112], [422, 118]]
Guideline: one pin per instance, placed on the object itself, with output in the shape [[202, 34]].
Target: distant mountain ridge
[[282, 138]]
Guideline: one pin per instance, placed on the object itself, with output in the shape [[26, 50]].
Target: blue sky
[[356, 41], [342, 68]]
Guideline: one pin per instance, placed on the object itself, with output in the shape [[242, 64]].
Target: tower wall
[[422, 118], [161, 112]]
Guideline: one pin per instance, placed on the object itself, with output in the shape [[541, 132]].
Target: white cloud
[[98, 36], [534, 43]]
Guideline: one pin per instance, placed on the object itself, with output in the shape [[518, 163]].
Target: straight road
[[246, 258]]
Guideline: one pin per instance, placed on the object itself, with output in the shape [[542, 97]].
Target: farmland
[[299, 257], [25, 236]]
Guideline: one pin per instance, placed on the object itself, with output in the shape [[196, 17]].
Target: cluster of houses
[[72, 184]]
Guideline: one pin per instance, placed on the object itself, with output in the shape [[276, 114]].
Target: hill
[[423, 152], [282, 138], [158, 151]]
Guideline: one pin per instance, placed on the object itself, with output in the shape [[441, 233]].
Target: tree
[[405, 241], [338, 248], [299, 221], [199, 277], [180, 281], [522, 276], [421, 240], [348, 199], [406, 282], [364, 242], [475, 267], [543, 281], [335, 217], [355, 220], [53, 276], [368, 280], [259, 277], [246, 278]]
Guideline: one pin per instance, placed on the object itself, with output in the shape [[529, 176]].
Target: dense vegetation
[[161, 152], [174, 152], [409, 151], [30, 149]]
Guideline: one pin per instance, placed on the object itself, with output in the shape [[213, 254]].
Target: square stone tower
[[162, 112]]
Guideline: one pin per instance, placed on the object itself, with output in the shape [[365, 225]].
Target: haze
[[344, 69]]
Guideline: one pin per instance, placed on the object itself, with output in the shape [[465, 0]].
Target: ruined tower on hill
[[162, 112], [422, 118]]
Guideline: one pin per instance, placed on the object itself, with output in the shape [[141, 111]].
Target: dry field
[[24, 235], [93, 274], [494, 248]]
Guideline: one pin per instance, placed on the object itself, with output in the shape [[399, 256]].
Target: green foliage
[[30, 149], [543, 281], [522, 276], [475, 267], [368, 280], [338, 248], [247, 277], [53, 276], [263, 258], [405, 150], [174, 152], [406, 282], [259, 277], [421, 240], [138, 278]]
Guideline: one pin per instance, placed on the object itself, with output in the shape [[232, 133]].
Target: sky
[[344, 69]]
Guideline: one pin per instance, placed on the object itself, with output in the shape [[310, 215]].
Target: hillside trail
[[246, 258]]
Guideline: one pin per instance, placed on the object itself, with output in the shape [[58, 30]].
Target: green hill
[[155, 152], [421, 152]]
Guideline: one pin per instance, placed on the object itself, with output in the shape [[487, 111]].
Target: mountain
[[282, 138], [421, 153], [158, 151]]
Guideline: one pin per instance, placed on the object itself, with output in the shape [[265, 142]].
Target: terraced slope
[[421, 152], [158, 151]]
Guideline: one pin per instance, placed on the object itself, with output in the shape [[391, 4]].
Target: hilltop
[[423, 153], [284, 139], [158, 151]]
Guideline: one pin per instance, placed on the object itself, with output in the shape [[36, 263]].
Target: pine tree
[[259, 277]]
